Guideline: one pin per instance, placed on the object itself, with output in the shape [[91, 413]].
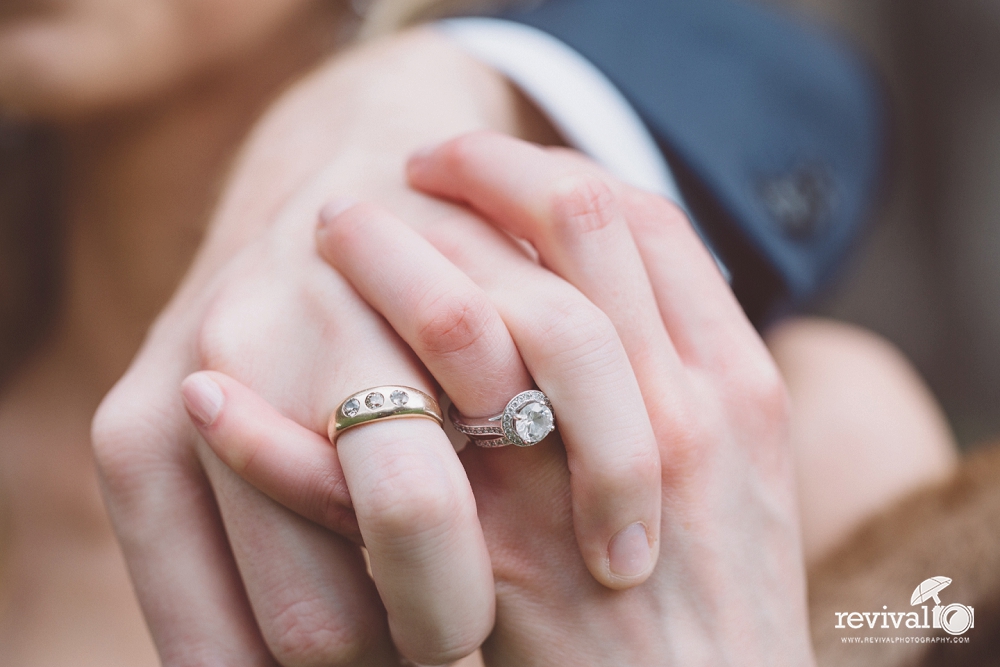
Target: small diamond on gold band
[[382, 403]]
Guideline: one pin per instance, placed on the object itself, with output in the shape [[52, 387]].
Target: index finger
[[567, 210]]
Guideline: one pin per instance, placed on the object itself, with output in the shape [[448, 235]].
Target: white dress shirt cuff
[[582, 104]]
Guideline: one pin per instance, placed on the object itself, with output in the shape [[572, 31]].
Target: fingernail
[[628, 553], [424, 153], [203, 398], [418, 161], [333, 209]]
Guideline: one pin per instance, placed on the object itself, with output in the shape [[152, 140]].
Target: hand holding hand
[[624, 271], [225, 574]]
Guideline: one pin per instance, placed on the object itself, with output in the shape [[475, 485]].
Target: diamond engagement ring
[[526, 420], [381, 403]]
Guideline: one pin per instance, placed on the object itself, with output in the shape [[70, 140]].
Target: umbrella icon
[[929, 588]]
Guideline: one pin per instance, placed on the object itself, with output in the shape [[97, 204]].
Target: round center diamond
[[533, 422]]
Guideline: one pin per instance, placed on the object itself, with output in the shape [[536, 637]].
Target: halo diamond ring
[[526, 421]]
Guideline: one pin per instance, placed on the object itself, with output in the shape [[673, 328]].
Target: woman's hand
[[625, 274]]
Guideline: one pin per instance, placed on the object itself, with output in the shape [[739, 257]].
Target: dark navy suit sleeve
[[775, 131]]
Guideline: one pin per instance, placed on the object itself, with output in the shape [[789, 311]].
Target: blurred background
[[928, 275]]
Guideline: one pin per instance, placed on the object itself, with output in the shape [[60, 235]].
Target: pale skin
[[717, 406], [396, 271], [197, 126]]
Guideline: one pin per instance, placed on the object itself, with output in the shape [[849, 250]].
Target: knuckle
[[347, 229], [452, 322], [197, 654], [637, 469], [653, 212], [454, 649], [642, 465], [772, 394], [113, 449], [463, 152], [232, 331], [759, 387], [578, 330], [685, 429], [123, 432], [446, 643], [680, 430], [108, 428], [580, 203], [214, 343], [405, 501], [307, 633], [324, 494]]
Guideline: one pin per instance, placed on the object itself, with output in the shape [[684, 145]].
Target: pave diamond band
[[381, 403], [526, 420]]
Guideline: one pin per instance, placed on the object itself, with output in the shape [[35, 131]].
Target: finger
[[168, 524], [431, 568], [562, 197], [301, 470], [573, 217], [441, 314], [308, 589], [574, 357], [694, 298], [578, 360], [310, 593], [292, 465], [705, 321], [418, 518]]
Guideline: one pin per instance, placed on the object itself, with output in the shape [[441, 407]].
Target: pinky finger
[[293, 465]]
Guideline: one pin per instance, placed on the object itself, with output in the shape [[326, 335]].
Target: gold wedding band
[[382, 403]]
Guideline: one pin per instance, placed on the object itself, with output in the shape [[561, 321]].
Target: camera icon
[[955, 618]]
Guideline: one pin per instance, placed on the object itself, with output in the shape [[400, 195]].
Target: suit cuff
[[578, 99]]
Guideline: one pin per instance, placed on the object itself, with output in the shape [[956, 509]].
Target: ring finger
[[461, 337]]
